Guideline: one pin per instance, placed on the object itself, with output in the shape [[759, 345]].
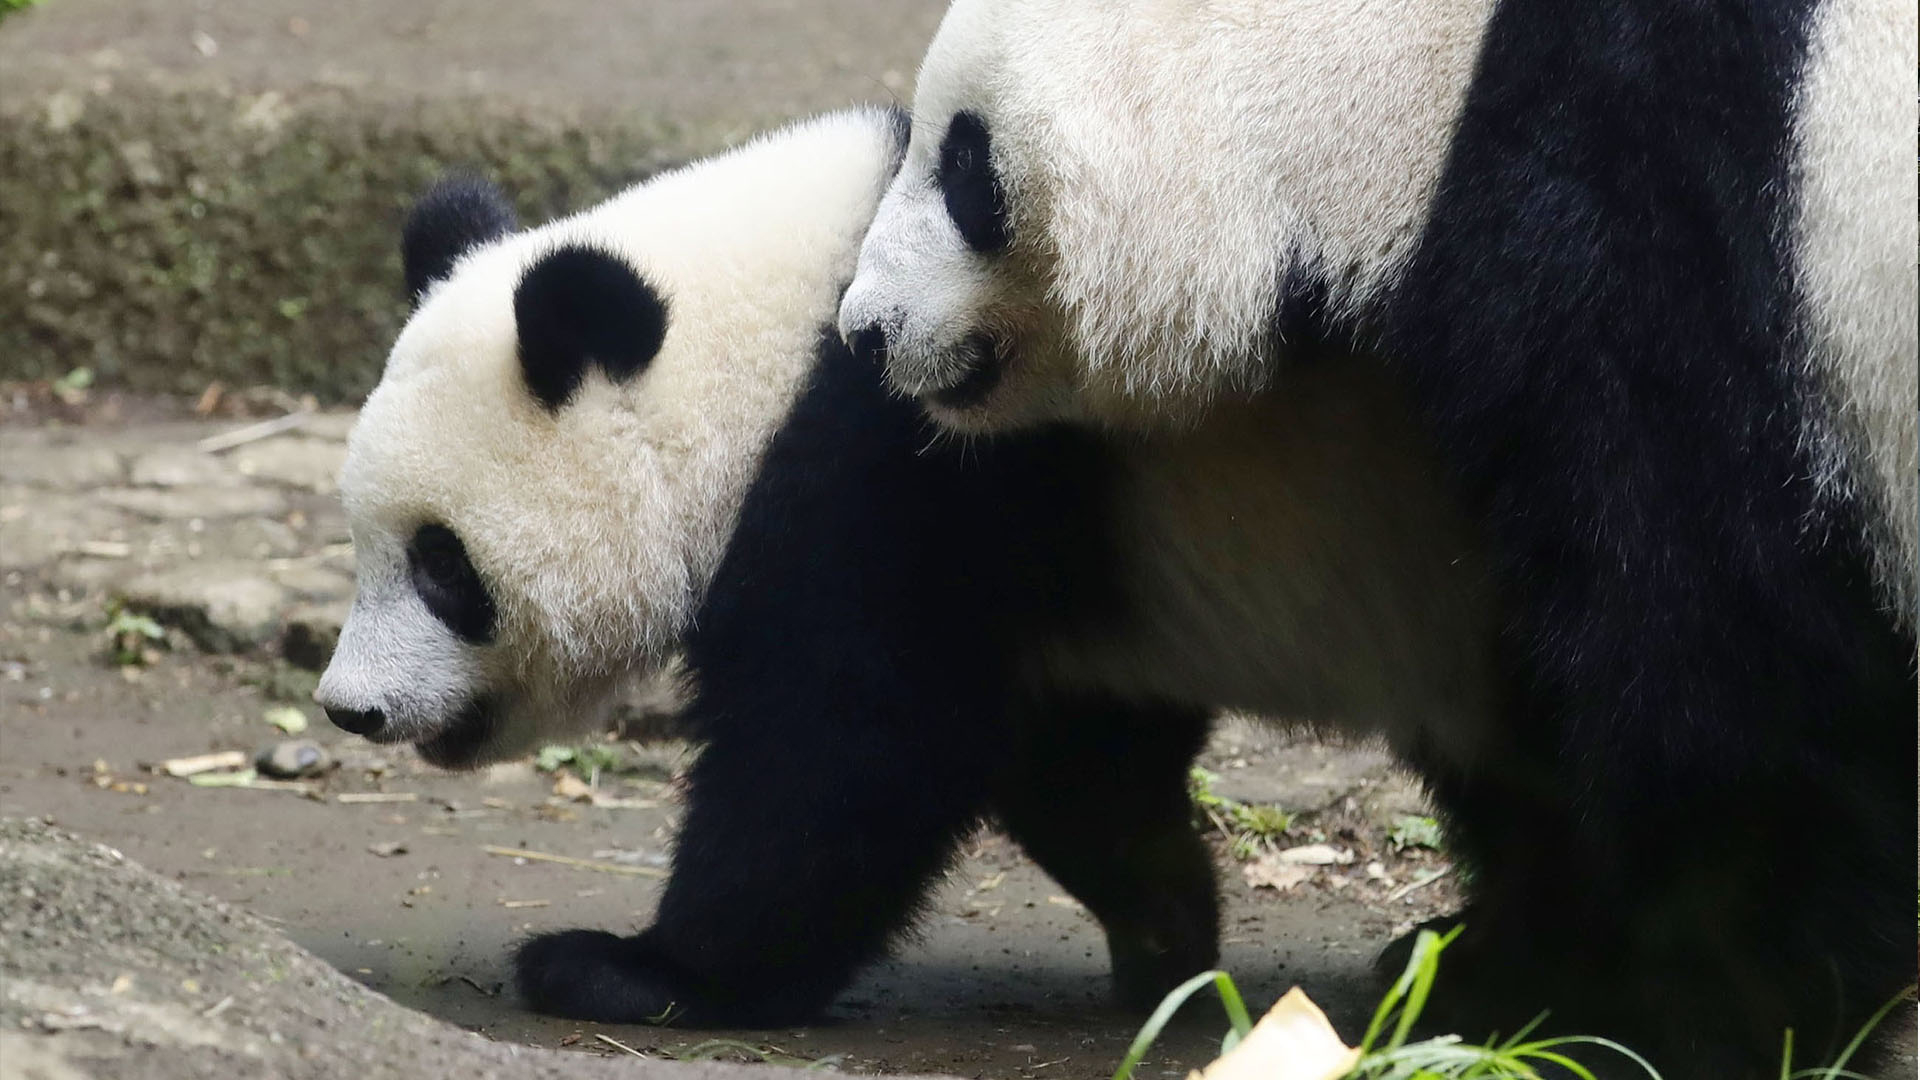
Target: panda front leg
[[1097, 795], [798, 860]]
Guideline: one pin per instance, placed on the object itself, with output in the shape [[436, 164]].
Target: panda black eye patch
[[447, 583], [975, 200]]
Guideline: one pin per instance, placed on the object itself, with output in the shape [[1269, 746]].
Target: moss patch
[[170, 239]]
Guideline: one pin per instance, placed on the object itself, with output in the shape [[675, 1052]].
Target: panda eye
[[975, 200], [442, 565], [447, 583]]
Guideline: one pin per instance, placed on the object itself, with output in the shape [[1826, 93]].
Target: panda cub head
[[547, 473]]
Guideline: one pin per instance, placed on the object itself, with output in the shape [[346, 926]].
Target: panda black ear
[[459, 213], [579, 307]]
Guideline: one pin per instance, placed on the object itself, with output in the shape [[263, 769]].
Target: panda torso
[[1298, 556]]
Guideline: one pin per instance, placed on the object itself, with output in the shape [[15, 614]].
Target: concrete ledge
[[172, 238], [195, 193]]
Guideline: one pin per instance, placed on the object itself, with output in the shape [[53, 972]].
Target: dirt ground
[[1006, 979]]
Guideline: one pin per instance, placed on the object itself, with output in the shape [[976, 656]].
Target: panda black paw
[[594, 975], [1146, 971]]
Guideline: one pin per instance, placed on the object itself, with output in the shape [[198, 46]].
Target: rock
[[292, 759], [312, 631], [112, 972], [181, 466], [63, 467], [187, 502], [222, 606], [38, 527], [295, 461], [89, 577], [1307, 776]]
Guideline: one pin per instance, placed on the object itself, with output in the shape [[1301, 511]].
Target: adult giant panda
[[1647, 274], [636, 429]]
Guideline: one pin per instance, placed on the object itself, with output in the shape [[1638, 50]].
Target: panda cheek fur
[[580, 307]]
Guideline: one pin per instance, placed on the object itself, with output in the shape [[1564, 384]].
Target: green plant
[[8, 7], [1448, 1056], [586, 762], [132, 638], [1385, 1053], [1230, 1000], [1838, 1070], [1414, 831], [1247, 826]]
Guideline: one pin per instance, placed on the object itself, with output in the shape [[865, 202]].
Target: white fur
[[596, 527], [1167, 161], [1856, 240], [1297, 556]]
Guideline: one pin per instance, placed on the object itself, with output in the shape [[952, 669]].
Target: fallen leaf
[[1292, 1042], [570, 787], [287, 719], [387, 849], [1268, 872], [1316, 855]]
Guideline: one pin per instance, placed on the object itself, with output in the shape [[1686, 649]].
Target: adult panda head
[[547, 473], [1123, 211]]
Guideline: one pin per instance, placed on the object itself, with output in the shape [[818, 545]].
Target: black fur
[[580, 307], [456, 215], [448, 585], [1705, 832], [975, 200], [854, 662]]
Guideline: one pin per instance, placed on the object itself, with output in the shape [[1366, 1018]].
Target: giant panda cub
[[1646, 274], [636, 430]]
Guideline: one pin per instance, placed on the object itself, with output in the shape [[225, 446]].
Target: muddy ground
[[242, 549]]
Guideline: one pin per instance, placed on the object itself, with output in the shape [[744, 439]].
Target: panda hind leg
[[1097, 795]]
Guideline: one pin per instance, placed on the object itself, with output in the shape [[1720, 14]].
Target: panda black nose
[[869, 345], [357, 721]]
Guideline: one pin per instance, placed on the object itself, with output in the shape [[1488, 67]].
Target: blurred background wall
[[195, 191]]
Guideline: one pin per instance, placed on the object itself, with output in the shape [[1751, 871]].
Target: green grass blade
[[1605, 1044], [1424, 959], [1838, 1068], [1229, 999], [1422, 983]]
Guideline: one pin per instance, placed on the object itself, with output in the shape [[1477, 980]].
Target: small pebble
[[291, 759]]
